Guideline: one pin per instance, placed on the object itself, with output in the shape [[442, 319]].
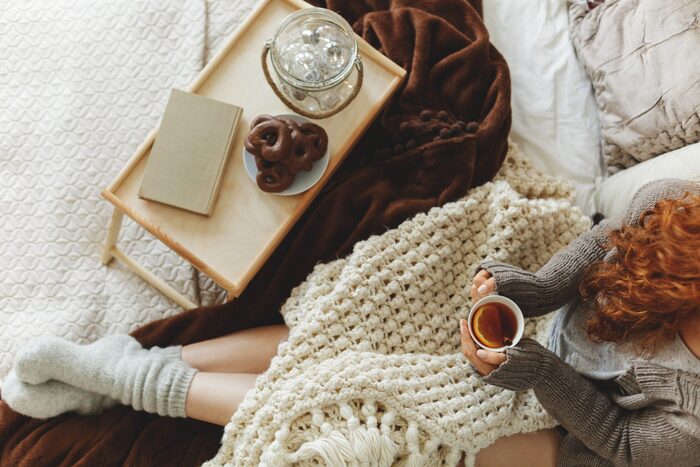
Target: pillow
[[615, 193], [642, 58], [555, 117]]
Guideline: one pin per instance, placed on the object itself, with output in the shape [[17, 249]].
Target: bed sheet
[[81, 85], [555, 118]]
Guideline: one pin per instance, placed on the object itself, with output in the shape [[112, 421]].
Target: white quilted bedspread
[[81, 84]]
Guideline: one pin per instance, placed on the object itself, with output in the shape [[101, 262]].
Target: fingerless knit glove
[[526, 366]]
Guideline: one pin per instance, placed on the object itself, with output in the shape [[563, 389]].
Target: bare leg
[[538, 449], [247, 351], [214, 397], [228, 367]]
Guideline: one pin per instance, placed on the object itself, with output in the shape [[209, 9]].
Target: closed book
[[190, 151]]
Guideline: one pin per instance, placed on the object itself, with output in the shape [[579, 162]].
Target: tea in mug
[[494, 325]]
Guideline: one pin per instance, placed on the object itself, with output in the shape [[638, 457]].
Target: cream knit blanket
[[372, 373]]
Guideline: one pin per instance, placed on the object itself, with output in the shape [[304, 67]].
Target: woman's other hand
[[484, 361], [482, 285]]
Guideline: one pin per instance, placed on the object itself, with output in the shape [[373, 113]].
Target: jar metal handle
[[294, 107]]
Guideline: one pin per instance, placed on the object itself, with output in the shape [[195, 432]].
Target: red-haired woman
[[621, 371]]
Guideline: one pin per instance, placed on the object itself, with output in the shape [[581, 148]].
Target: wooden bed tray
[[246, 224]]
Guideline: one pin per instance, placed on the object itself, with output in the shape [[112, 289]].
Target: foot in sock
[[115, 366], [51, 398]]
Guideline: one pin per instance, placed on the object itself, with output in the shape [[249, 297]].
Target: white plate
[[303, 179]]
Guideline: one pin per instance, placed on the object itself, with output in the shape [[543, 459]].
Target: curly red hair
[[652, 284]]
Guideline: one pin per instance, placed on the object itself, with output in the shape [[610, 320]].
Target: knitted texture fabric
[[372, 372], [153, 380]]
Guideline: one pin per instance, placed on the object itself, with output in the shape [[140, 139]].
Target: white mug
[[520, 320]]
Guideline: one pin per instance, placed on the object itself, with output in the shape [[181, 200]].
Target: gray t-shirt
[[605, 360]]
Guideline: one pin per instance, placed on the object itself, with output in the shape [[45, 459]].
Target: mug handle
[[318, 116]]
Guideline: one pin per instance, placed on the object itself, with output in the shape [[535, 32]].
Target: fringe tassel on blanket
[[364, 445]]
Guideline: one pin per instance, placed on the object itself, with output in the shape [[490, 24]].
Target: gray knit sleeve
[[557, 282], [653, 192], [642, 437]]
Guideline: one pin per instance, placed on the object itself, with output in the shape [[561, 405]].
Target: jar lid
[[314, 48]]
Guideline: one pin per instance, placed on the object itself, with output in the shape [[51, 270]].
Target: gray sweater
[[648, 416]]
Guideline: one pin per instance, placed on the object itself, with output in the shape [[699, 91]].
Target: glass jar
[[313, 55]]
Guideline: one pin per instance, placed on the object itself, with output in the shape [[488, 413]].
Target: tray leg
[[149, 277], [115, 226], [111, 251]]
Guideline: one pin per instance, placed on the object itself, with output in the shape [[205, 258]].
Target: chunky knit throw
[[372, 372]]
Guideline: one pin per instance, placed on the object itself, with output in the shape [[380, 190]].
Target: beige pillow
[[643, 58], [615, 193]]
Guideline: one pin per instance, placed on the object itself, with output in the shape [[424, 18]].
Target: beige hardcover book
[[190, 151]]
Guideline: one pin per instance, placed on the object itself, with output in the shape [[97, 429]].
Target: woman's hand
[[482, 285], [484, 361]]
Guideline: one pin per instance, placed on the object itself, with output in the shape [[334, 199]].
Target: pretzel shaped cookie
[[282, 147], [310, 144], [275, 178], [271, 139]]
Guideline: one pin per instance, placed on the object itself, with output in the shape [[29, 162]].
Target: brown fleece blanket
[[408, 161]]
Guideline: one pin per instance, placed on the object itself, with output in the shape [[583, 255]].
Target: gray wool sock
[[116, 366], [53, 397]]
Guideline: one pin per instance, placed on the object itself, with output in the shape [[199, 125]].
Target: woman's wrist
[[526, 365]]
